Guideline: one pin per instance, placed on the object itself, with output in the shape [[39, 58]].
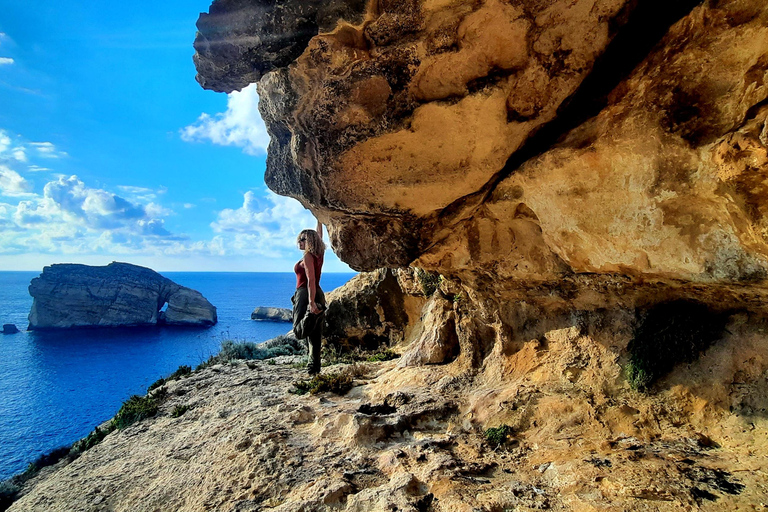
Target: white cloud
[[20, 153], [12, 184], [156, 210], [5, 61], [37, 168], [74, 219], [141, 194], [5, 141], [47, 150], [188, 205], [241, 125], [266, 225]]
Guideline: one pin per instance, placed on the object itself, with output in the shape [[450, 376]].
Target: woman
[[309, 300]]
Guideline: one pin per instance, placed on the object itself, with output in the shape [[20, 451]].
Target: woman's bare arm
[[320, 229], [309, 267]]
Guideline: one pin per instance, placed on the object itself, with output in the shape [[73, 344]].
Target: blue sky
[[109, 149]]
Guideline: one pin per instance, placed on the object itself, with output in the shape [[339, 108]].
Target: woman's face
[[302, 242]]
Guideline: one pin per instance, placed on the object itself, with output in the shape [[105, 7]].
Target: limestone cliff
[[69, 295], [572, 155], [522, 140]]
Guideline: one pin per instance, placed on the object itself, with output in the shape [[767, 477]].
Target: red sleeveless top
[[301, 272]]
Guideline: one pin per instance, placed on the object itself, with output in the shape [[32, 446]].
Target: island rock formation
[[272, 314], [116, 295], [10, 329]]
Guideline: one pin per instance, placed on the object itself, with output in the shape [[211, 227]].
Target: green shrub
[[338, 383], [333, 354], [45, 460], [429, 281], [159, 382], [385, 355], [182, 371], [92, 439], [498, 436], [232, 351], [136, 408], [670, 333], [179, 410]]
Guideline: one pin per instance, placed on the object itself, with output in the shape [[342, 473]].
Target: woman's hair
[[314, 244]]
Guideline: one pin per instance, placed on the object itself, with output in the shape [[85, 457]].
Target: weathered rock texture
[[373, 309], [566, 165], [118, 294], [526, 140], [272, 314]]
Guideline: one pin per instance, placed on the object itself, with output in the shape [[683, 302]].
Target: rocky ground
[[413, 439]]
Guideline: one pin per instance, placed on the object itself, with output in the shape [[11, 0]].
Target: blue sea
[[55, 387]]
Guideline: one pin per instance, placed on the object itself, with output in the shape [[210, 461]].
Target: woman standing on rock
[[309, 300]]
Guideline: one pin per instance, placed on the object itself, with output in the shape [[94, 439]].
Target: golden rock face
[[531, 139]]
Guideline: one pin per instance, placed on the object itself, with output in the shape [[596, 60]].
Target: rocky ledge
[[116, 295], [553, 434]]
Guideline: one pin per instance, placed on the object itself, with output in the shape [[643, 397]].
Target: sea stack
[[272, 314], [10, 329], [116, 295]]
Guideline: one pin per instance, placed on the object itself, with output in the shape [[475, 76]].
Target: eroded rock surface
[[373, 309], [119, 294], [528, 140]]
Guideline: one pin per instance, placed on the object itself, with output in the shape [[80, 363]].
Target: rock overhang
[[528, 140]]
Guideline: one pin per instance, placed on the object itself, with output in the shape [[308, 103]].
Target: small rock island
[[272, 314], [71, 295]]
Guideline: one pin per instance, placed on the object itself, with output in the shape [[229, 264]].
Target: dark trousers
[[307, 325]]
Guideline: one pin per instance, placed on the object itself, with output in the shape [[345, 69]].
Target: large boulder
[[373, 309], [116, 295]]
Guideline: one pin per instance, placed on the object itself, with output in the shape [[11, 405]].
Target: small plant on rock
[[182, 371], [385, 355], [179, 410], [497, 436], [45, 460], [338, 383], [429, 281], [92, 439], [136, 408]]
